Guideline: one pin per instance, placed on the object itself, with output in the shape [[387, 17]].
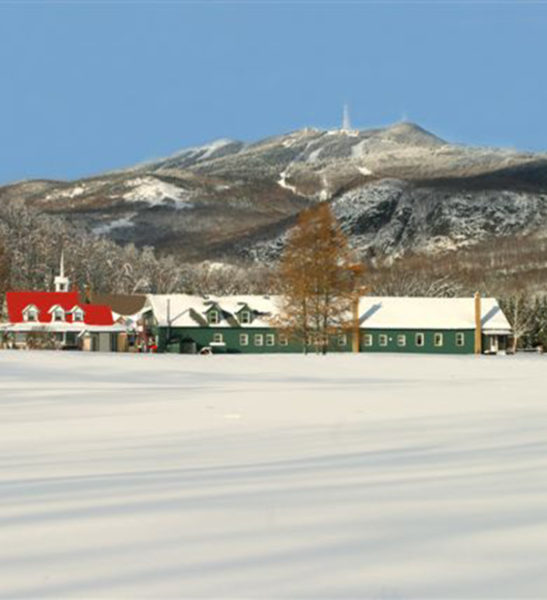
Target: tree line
[[318, 273]]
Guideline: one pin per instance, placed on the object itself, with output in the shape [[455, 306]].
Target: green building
[[183, 323]]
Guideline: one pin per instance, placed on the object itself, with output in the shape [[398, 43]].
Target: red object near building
[[59, 319]]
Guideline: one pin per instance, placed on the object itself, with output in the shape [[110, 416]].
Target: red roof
[[94, 314]]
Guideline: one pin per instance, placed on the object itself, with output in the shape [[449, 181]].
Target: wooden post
[[478, 326], [122, 345]]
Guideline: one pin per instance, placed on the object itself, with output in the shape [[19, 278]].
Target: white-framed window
[[270, 339], [382, 339], [30, 313], [259, 339], [367, 339], [243, 339], [419, 339], [78, 315], [342, 339], [401, 340], [283, 340], [438, 340], [460, 339], [245, 317], [214, 317], [58, 314], [217, 338]]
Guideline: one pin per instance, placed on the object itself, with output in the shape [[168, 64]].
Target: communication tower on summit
[[346, 124]]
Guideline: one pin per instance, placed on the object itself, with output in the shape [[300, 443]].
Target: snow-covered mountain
[[395, 190]]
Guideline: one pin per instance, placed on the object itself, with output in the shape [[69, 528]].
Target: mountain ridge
[[396, 190]]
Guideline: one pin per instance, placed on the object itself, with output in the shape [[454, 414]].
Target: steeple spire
[[62, 283]]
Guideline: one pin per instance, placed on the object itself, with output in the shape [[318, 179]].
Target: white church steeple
[[62, 283]]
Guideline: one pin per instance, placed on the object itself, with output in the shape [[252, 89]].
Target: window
[[217, 338], [78, 315], [382, 339], [460, 339], [30, 313], [245, 317], [214, 317], [438, 340], [259, 339], [419, 339], [283, 340], [270, 339], [401, 340], [243, 339], [367, 339], [58, 314], [342, 339]]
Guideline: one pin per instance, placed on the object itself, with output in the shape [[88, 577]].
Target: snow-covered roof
[[384, 312], [376, 312], [185, 310]]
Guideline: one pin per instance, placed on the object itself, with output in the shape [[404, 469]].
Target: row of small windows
[[214, 317], [419, 340], [58, 314], [318, 340], [269, 339], [258, 339]]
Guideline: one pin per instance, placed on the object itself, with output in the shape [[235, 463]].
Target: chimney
[[478, 326], [356, 332]]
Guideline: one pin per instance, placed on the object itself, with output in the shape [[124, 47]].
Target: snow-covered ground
[[371, 476]]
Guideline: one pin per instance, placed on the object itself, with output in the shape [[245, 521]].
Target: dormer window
[[77, 315], [245, 317], [58, 314], [30, 313], [214, 317]]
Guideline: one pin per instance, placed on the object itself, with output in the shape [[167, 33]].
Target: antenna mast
[[346, 124]]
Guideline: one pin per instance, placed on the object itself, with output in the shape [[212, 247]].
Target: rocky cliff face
[[395, 190]]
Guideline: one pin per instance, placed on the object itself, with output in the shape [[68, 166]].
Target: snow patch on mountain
[[282, 181], [210, 149], [106, 228], [314, 156], [156, 193], [69, 193]]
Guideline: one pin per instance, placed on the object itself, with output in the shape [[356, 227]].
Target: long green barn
[[243, 324]]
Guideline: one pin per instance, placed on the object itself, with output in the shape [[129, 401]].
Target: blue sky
[[91, 86]]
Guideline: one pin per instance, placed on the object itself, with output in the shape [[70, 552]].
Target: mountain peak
[[411, 133]]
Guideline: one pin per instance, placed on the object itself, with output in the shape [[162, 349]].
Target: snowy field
[[371, 476]]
